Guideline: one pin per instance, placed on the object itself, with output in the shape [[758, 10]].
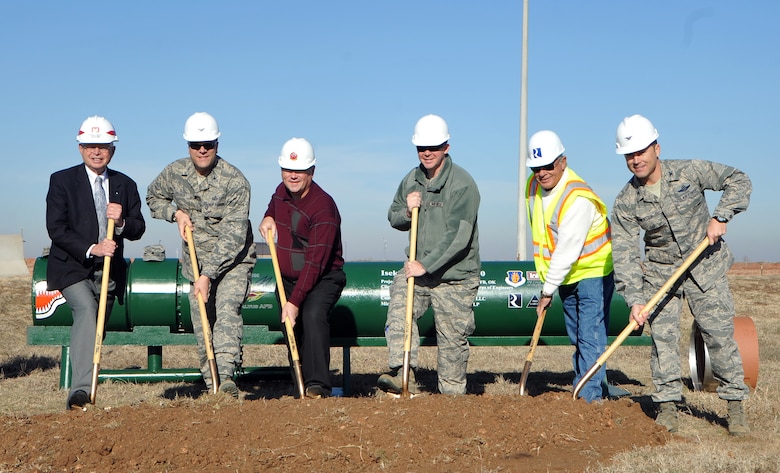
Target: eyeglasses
[[97, 146], [547, 167], [422, 149], [205, 144]]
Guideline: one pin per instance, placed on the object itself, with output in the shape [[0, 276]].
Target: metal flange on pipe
[[702, 378]]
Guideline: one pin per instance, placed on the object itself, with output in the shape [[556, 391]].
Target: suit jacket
[[73, 226]]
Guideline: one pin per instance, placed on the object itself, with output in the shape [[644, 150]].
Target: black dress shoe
[[315, 391], [78, 399]]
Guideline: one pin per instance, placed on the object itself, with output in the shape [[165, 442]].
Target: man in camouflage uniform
[[447, 266], [210, 196], [665, 200]]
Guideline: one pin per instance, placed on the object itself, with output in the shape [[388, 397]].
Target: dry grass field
[[29, 396]]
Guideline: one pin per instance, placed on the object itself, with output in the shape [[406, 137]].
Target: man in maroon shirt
[[307, 224]]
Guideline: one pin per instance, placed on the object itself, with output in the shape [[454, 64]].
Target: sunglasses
[[548, 167], [422, 149], [209, 145]]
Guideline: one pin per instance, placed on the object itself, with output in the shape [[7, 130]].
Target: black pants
[[312, 327]]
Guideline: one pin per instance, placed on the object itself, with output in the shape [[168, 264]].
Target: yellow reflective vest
[[595, 259]]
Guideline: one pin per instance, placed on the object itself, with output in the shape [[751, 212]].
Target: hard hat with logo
[[96, 130], [634, 133], [430, 130], [297, 155], [544, 147], [201, 127]]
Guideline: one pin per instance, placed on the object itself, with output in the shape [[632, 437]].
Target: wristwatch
[[544, 294], [720, 219]]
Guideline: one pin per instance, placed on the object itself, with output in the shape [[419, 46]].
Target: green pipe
[[156, 295], [155, 372], [187, 374]]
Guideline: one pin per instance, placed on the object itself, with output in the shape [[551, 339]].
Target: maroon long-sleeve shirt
[[309, 237]]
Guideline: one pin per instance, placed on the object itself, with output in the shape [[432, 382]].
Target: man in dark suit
[[76, 219]]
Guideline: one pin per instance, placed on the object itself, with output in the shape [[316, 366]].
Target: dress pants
[[83, 298], [312, 328]]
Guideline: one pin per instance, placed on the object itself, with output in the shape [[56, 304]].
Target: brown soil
[[430, 433], [264, 431]]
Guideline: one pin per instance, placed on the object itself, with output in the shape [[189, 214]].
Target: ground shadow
[[650, 409], [540, 382], [274, 384], [281, 384], [251, 389], [190, 390], [617, 377], [709, 416], [20, 366], [646, 403]]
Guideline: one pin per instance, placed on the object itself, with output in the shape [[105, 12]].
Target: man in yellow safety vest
[[572, 253]]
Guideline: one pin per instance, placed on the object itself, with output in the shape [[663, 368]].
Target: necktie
[[101, 207]]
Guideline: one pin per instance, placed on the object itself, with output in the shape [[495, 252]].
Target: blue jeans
[[586, 314]]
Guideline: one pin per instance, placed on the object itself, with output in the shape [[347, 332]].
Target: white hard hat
[[201, 127], [634, 133], [544, 147], [96, 130], [297, 155], [430, 130]]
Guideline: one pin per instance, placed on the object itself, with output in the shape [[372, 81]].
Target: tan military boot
[[393, 382], [667, 416], [738, 424], [229, 387]]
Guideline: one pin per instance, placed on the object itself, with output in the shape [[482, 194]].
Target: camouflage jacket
[[673, 225], [218, 207]]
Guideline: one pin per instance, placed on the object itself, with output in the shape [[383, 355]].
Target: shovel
[[204, 319], [101, 317], [530, 358], [409, 307], [648, 308], [291, 343]]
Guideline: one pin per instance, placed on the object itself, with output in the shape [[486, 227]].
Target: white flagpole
[[521, 217]]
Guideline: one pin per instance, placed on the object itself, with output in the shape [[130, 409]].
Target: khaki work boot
[[738, 424], [667, 416], [229, 387], [393, 382]]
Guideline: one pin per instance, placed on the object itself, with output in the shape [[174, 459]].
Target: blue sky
[[353, 78]]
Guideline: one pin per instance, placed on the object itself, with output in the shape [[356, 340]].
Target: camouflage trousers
[[453, 316], [223, 308], [714, 313]]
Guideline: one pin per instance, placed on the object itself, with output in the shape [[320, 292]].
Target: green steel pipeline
[[156, 311], [156, 295], [156, 308]]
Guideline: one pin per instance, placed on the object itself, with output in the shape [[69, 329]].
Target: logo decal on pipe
[[515, 278], [46, 302]]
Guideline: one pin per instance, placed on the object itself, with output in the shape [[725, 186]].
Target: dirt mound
[[433, 433]]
